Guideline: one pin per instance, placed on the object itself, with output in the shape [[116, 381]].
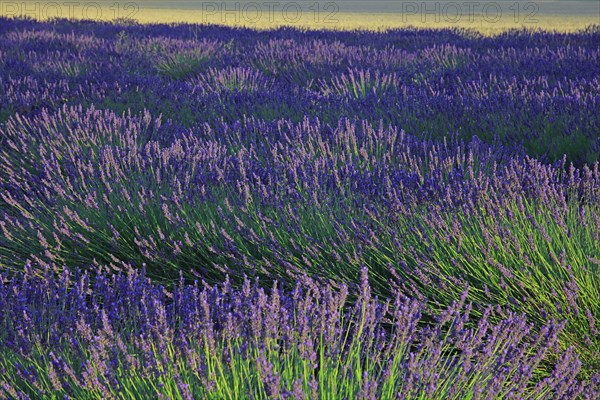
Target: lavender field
[[203, 212]]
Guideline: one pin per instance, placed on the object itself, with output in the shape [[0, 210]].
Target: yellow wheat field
[[493, 23]]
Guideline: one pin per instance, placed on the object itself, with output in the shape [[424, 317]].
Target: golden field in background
[[350, 21], [307, 20]]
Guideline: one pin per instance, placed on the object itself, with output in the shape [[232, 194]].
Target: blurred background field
[[486, 17]]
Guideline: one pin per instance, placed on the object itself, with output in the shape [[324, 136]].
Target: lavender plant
[[184, 64], [123, 336], [359, 84], [232, 79]]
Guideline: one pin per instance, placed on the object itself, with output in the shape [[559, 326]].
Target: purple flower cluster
[[122, 335], [90, 180]]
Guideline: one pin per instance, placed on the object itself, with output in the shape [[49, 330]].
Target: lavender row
[[124, 336], [539, 90], [87, 188], [93, 169]]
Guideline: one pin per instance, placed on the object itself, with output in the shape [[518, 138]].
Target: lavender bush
[[124, 336]]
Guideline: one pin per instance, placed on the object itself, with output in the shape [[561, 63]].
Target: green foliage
[[182, 66]]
